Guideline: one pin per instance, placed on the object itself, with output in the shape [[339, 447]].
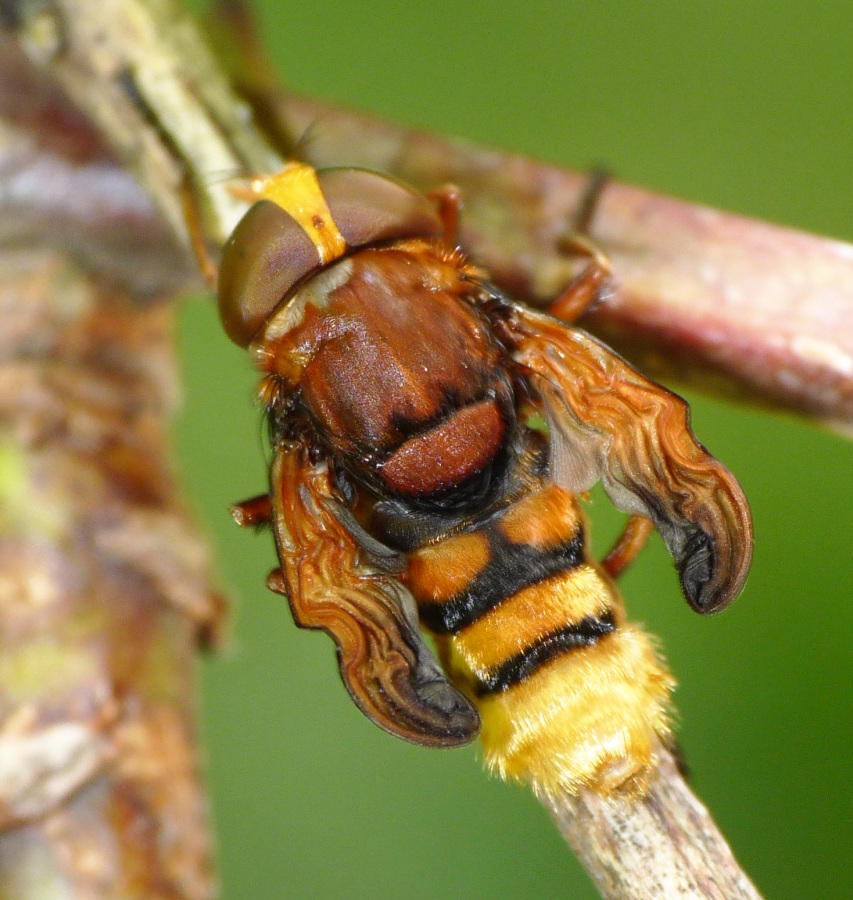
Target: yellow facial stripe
[[297, 191], [520, 621]]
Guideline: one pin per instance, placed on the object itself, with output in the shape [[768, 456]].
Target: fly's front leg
[[594, 283], [589, 201], [192, 218], [448, 198]]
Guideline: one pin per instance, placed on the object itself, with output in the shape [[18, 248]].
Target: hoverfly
[[413, 482]]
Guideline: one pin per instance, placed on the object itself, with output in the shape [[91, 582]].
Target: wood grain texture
[[663, 845]]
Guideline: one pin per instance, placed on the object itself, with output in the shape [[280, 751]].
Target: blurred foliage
[[745, 107]]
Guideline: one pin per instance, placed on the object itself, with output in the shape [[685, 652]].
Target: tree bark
[[664, 844], [105, 591]]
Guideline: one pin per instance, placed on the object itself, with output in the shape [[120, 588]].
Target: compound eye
[[265, 256], [368, 207]]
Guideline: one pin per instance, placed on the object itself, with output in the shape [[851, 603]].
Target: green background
[[741, 106]]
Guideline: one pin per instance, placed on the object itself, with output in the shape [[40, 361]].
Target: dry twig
[[104, 583]]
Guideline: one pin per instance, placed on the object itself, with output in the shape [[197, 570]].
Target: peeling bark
[[104, 596]]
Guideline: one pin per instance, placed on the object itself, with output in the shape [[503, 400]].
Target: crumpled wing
[[345, 588], [607, 421]]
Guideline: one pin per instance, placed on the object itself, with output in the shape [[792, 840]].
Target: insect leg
[[592, 284], [192, 217], [254, 511], [589, 200], [637, 531], [448, 197], [276, 582], [590, 287]]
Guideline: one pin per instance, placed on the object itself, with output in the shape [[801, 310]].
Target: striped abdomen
[[569, 694]]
